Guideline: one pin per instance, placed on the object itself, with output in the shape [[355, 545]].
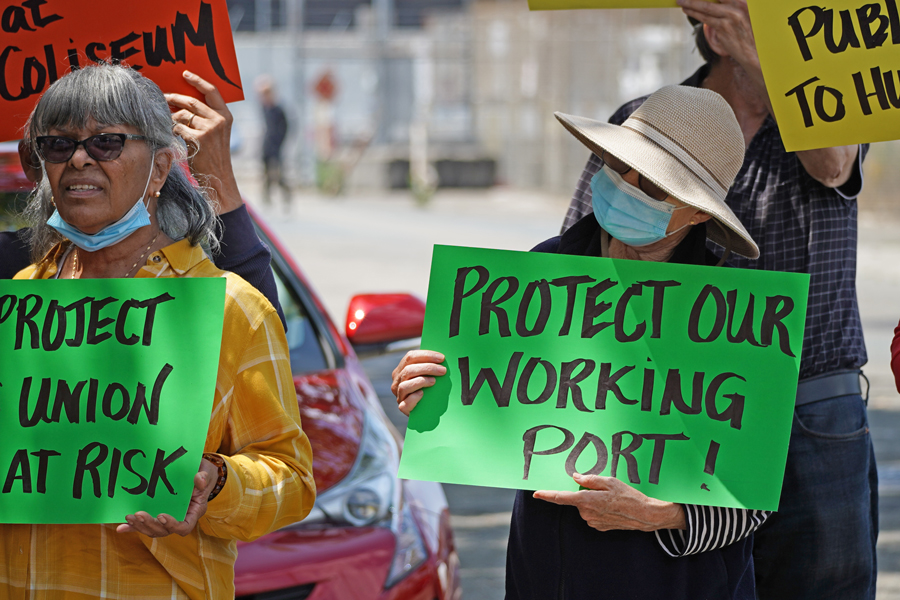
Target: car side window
[[307, 352]]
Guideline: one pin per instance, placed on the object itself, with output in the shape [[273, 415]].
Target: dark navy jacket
[[554, 554]]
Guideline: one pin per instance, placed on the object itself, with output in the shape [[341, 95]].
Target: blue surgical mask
[[136, 217], [627, 213]]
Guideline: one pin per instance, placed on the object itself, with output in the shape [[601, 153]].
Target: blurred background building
[[446, 92], [454, 93]]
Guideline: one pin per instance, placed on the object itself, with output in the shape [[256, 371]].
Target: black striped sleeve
[[710, 528]]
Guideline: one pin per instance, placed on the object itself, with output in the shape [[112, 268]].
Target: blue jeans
[[820, 545]]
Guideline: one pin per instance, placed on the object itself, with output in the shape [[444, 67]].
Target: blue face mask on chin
[[136, 217], [627, 213]]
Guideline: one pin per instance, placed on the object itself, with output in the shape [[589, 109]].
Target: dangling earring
[[52, 203]]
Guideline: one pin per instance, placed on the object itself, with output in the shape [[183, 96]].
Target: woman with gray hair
[[115, 202], [74, 105]]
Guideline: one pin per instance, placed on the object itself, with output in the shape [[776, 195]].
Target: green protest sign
[[677, 379], [106, 389]]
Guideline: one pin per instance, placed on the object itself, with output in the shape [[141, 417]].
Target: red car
[[370, 534]]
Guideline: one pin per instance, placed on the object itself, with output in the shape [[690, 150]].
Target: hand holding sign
[[207, 130], [609, 504], [163, 525], [417, 370]]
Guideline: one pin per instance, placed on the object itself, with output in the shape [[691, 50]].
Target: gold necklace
[[143, 254], [74, 263], [128, 272]]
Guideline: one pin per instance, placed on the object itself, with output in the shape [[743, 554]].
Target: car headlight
[[370, 493], [410, 551]]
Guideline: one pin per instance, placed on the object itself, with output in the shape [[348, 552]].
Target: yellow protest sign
[[830, 69], [574, 4]]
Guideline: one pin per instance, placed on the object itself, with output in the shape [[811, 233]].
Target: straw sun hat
[[688, 142]]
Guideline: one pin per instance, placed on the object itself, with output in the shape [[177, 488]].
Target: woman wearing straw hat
[[660, 194]]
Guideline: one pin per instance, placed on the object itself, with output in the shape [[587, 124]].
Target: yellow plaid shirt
[[254, 426]]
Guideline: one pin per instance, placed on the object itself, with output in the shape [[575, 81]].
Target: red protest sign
[[41, 40]]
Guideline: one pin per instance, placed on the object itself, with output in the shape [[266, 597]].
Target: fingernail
[[162, 520], [140, 519], [189, 74]]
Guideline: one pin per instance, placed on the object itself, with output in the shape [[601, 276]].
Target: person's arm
[[268, 456], [710, 528], [282, 125], [267, 475], [207, 129], [831, 167], [728, 31], [242, 252], [608, 504], [851, 188], [14, 254]]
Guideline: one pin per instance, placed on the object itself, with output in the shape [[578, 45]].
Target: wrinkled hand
[[730, 22], [609, 504], [417, 370], [206, 127], [163, 525]]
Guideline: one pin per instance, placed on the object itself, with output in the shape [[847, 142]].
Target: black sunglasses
[[646, 186], [102, 147]]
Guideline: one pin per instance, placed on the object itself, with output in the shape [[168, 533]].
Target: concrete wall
[[530, 64], [481, 83]]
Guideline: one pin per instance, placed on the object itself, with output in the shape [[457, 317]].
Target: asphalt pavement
[[381, 242]]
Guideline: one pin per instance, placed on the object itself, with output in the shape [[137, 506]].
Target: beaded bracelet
[[223, 473]]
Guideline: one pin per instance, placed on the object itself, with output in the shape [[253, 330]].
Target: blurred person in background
[[276, 127], [801, 209], [659, 195]]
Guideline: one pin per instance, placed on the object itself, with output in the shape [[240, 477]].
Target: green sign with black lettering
[[106, 388], [677, 379]]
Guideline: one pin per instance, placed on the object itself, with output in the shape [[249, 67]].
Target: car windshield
[[307, 353]]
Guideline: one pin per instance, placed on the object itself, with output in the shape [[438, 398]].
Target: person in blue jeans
[[206, 127], [800, 207]]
